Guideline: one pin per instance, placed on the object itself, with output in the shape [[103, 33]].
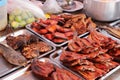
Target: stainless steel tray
[[104, 32], [5, 67], [115, 23], [56, 55], [23, 74], [55, 44]]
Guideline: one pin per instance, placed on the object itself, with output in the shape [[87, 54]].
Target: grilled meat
[[92, 75], [20, 41], [12, 56], [33, 50], [77, 63], [106, 66], [58, 40], [48, 70], [42, 69], [102, 58], [67, 56], [60, 35], [78, 23], [92, 56], [115, 53]]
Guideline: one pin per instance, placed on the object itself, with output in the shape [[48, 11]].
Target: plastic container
[[3, 14]]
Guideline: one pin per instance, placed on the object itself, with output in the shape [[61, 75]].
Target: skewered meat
[[47, 70], [12, 56], [33, 50]]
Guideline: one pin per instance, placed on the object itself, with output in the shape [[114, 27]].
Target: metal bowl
[[103, 10]]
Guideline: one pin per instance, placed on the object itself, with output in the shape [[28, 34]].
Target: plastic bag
[[37, 3], [26, 5], [51, 6], [23, 12]]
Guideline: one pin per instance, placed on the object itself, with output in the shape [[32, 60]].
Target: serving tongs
[[112, 31]]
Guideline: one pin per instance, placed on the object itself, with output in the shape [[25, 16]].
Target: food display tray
[[5, 67], [55, 44], [56, 55], [25, 74], [104, 32], [115, 23]]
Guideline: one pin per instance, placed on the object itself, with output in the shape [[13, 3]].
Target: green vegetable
[[29, 13], [24, 15], [30, 20], [17, 12], [11, 17], [18, 18], [15, 24], [22, 23]]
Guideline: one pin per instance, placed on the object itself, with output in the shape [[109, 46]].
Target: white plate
[[78, 6]]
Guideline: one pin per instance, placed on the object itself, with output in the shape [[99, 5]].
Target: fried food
[[92, 56], [47, 69], [12, 56], [29, 45], [33, 50], [20, 41]]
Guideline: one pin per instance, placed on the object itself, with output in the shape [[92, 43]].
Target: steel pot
[[103, 10]]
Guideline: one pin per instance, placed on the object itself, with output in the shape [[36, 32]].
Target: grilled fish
[[12, 56]]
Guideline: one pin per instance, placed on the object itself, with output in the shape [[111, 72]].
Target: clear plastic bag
[[51, 6], [22, 12]]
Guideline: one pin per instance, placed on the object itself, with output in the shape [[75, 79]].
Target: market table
[[9, 30]]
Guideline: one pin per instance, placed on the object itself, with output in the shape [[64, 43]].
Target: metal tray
[[56, 55], [115, 23], [24, 74], [104, 32], [55, 44], [5, 67]]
